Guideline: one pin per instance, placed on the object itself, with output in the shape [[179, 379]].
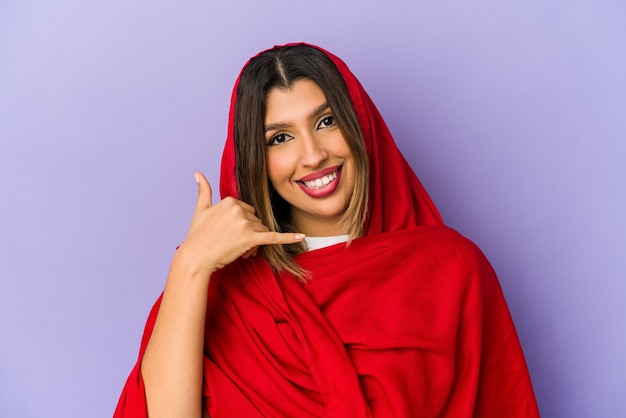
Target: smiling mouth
[[321, 182]]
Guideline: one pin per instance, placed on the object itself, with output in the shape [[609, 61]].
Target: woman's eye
[[278, 139], [326, 122]]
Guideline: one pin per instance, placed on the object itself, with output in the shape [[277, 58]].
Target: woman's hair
[[281, 68]]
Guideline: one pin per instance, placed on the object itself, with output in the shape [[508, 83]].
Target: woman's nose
[[313, 153]]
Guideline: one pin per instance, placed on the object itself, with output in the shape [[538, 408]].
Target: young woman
[[324, 283]]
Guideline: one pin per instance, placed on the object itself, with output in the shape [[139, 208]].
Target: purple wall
[[514, 117]]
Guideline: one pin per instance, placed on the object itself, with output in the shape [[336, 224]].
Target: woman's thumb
[[205, 198]]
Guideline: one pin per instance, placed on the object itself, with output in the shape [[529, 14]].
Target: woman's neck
[[316, 227]]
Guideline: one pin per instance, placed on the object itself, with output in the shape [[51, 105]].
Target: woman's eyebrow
[[319, 110], [282, 125]]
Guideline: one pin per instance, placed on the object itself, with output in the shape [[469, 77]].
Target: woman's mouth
[[322, 183]]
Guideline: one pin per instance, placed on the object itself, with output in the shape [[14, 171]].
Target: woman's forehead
[[305, 99]]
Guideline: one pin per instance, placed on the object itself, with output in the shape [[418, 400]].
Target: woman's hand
[[221, 233], [172, 364]]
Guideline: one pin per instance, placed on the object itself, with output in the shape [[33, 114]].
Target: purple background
[[513, 116]]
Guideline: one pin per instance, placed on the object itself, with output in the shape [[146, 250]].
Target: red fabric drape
[[408, 321]]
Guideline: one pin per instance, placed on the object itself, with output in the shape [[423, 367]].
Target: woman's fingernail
[[197, 177], [299, 237]]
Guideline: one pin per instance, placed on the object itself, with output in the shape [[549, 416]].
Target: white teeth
[[321, 182]]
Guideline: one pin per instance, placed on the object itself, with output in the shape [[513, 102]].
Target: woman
[[380, 311]]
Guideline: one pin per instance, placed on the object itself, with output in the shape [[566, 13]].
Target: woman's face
[[308, 160]]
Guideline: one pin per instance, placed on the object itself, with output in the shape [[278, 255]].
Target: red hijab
[[407, 321]]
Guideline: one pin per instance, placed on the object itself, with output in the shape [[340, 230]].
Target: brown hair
[[280, 68]]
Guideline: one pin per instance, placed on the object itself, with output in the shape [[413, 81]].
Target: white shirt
[[315, 243]]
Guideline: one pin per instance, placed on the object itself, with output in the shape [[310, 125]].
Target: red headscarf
[[407, 321]]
